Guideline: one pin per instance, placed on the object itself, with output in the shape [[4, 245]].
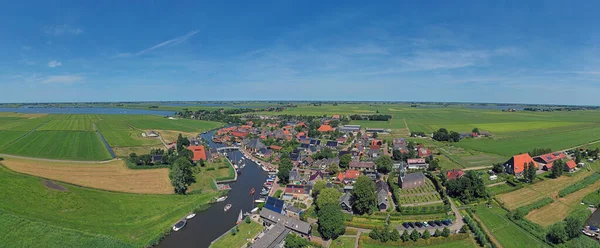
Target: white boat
[[265, 168], [222, 199], [247, 214], [259, 201], [179, 225], [227, 207], [254, 210], [190, 216], [240, 218]]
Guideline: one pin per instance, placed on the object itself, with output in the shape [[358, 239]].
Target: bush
[[579, 185], [248, 220], [524, 210], [278, 193]]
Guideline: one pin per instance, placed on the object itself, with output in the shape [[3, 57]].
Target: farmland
[[112, 176], [126, 218], [506, 232]]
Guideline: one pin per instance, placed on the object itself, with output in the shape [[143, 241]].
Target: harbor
[[212, 223]]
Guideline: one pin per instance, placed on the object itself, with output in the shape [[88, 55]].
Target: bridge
[[228, 148]]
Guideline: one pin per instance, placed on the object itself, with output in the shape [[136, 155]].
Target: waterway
[[68, 110], [212, 223]]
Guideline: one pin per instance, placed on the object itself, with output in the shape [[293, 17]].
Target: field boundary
[[61, 160]]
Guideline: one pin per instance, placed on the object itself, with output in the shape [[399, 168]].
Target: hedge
[[421, 242], [579, 185], [538, 204]]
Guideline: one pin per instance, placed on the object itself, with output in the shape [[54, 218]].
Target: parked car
[[411, 225], [445, 222], [431, 223], [419, 224], [437, 222], [405, 225]]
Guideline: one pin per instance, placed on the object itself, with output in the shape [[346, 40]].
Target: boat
[[190, 216], [270, 179], [222, 199], [240, 218], [247, 214], [259, 201], [265, 168], [179, 225], [254, 210], [252, 190], [227, 207]]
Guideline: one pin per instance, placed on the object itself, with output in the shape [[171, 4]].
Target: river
[[212, 223], [69, 110]]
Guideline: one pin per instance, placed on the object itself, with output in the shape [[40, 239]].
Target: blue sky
[[469, 51]]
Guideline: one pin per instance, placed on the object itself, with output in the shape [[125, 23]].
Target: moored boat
[[190, 216], [222, 199], [227, 207], [240, 217], [259, 201], [252, 190], [179, 225]]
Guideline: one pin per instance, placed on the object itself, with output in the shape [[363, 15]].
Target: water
[[212, 223], [69, 110]]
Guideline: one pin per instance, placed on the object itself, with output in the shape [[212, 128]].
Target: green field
[[245, 231], [9, 136], [82, 216], [71, 145], [71, 123], [343, 242], [123, 138], [22, 123], [454, 241], [506, 232]]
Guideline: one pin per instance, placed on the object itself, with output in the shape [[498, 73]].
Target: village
[[372, 181]]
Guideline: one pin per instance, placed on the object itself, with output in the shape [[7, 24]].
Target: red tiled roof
[[246, 126], [295, 189], [424, 152], [239, 134], [571, 164], [301, 124], [376, 142], [454, 174], [199, 152], [276, 148], [374, 147], [352, 174], [551, 157], [521, 160], [325, 128], [287, 127], [549, 165], [335, 116]]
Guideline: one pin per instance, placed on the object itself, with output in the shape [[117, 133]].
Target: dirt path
[[492, 238], [407, 128], [477, 168], [60, 160], [495, 184]]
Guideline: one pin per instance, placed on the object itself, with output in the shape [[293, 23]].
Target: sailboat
[[240, 217]]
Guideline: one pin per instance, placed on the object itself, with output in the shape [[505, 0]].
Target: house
[[424, 152], [275, 205], [399, 144], [382, 190], [275, 148], [345, 202], [357, 165], [571, 165], [373, 175], [315, 142], [376, 142], [516, 164], [254, 145], [239, 134], [331, 144], [417, 164], [199, 153], [349, 128], [549, 158], [265, 153], [484, 134], [318, 175], [374, 151], [335, 117], [325, 128], [341, 140], [293, 212], [454, 174], [151, 134], [411, 180], [348, 176], [295, 176], [278, 226], [398, 165], [294, 191]]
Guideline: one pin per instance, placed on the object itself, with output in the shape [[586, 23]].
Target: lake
[[99, 111]]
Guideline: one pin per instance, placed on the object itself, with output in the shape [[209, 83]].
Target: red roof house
[[454, 174], [516, 164], [239, 134], [199, 152], [571, 164], [325, 128]]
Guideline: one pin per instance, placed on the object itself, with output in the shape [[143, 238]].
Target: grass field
[[205, 175], [8, 136], [245, 231], [343, 242], [506, 232], [71, 123], [128, 138], [464, 242], [20, 232], [69, 145], [134, 219], [113, 176]]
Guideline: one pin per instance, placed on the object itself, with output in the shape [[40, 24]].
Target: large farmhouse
[[516, 164]]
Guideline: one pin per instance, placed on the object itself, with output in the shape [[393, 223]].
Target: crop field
[[420, 195], [71, 123], [134, 219], [470, 158], [112, 176], [124, 138], [70, 145], [9, 136], [506, 232]]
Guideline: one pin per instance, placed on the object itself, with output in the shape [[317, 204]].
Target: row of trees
[[385, 234], [443, 135], [539, 151], [329, 213], [355, 117], [467, 188]]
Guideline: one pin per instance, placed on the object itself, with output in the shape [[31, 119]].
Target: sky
[[452, 51]]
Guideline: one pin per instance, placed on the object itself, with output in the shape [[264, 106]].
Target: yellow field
[[559, 209], [549, 187], [112, 176]]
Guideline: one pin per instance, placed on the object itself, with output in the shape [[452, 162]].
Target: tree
[[437, 233], [201, 163], [434, 164], [133, 157], [331, 221], [375, 135], [558, 167], [556, 233], [395, 235], [454, 137], [405, 236], [578, 156], [384, 164], [572, 227], [285, 166], [345, 161], [530, 175], [475, 130], [319, 185], [334, 169], [328, 196], [446, 232], [415, 235], [467, 188], [181, 175], [426, 234], [185, 153], [146, 159], [498, 168], [364, 195], [293, 241]]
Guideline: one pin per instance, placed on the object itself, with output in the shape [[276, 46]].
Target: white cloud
[[54, 63], [62, 79], [57, 30], [162, 44]]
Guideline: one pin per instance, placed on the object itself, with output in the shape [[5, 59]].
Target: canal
[[212, 223]]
